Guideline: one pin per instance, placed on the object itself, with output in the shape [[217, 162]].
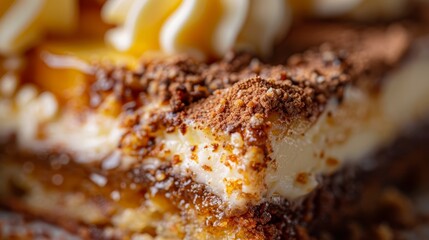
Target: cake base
[[382, 198]]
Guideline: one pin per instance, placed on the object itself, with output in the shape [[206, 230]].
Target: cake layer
[[109, 146], [248, 131], [175, 147], [351, 203]]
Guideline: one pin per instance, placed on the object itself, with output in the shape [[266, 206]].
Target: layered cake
[[204, 119]]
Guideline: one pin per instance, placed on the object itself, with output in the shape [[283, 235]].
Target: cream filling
[[40, 125], [358, 127]]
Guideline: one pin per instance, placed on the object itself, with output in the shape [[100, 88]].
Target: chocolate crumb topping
[[302, 87], [240, 93], [258, 97], [177, 81]]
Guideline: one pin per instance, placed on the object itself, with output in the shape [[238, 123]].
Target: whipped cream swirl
[[199, 27], [213, 27], [204, 28]]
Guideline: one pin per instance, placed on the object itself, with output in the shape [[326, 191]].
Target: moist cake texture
[[171, 147], [151, 170]]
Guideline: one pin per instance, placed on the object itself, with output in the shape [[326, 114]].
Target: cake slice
[[326, 144], [237, 148]]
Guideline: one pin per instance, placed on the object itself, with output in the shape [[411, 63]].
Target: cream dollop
[[24, 22], [199, 27], [213, 27]]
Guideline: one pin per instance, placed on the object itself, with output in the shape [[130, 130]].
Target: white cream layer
[[40, 125], [359, 126]]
